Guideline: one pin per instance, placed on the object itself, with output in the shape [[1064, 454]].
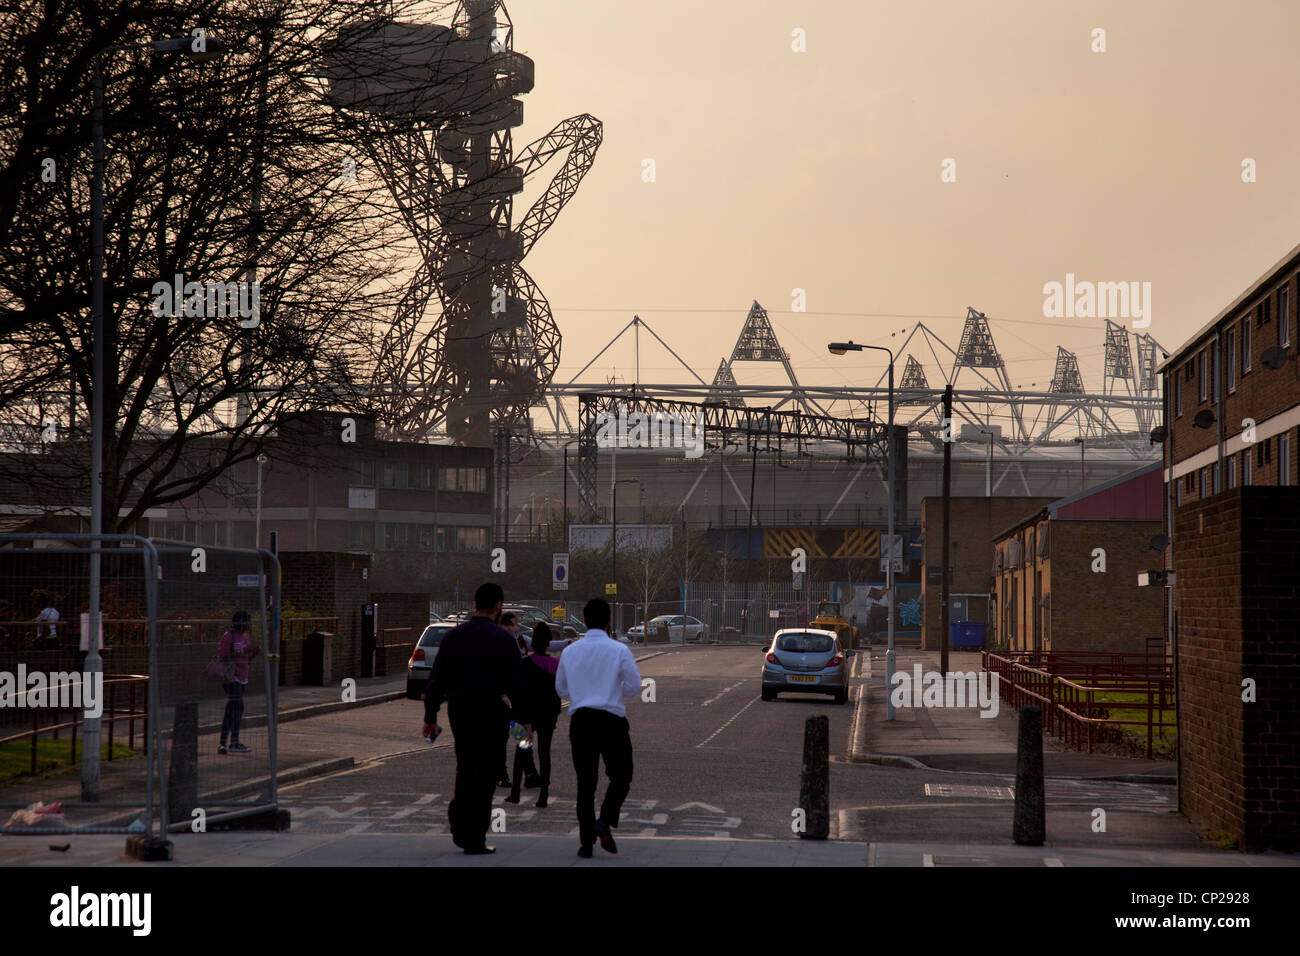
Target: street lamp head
[[839, 348], [208, 47]]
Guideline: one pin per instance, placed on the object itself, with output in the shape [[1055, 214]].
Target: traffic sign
[[560, 570], [898, 564], [891, 547], [611, 590]]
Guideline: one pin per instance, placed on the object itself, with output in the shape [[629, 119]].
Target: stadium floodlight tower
[[473, 343]]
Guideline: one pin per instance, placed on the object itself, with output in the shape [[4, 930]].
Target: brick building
[[1232, 409], [974, 522], [1056, 591]]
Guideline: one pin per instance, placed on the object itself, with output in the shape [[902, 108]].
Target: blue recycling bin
[[967, 634]]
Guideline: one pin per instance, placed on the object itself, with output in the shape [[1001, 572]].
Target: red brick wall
[[330, 584], [1095, 611], [1236, 555]]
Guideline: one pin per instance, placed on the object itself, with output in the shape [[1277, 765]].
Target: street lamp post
[[839, 348], [198, 49], [613, 538]]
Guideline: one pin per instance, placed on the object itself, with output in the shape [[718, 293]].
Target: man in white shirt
[[596, 672]]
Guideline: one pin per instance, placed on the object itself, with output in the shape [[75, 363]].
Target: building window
[[473, 479], [1202, 476], [1245, 346], [1284, 458], [1218, 479], [1284, 316], [1178, 395], [1201, 373], [1264, 453], [403, 536], [1262, 316], [361, 536], [1230, 351], [474, 540], [361, 474], [394, 474], [1232, 471], [1245, 468]]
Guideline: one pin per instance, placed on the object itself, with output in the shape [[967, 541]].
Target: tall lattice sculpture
[[473, 343]]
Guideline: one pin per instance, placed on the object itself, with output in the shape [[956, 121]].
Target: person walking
[[477, 673], [538, 709], [235, 648], [510, 624], [596, 672]]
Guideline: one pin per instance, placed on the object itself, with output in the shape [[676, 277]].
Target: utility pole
[[947, 514]]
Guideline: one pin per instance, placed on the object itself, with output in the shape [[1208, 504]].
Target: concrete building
[[974, 522], [1232, 410], [1066, 576], [408, 505]]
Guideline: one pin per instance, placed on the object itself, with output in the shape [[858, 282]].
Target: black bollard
[[1030, 826], [183, 773], [815, 779]]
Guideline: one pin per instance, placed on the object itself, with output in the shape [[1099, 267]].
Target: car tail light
[[418, 655], [835, 661], [771, 658]]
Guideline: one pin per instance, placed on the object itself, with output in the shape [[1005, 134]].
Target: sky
[[778, 170]]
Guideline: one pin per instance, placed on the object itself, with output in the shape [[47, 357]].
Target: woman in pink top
[[236, 648]]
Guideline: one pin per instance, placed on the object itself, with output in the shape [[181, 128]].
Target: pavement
[[959, 761]]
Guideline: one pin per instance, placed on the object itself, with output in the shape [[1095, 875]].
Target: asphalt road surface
[[712, 759]]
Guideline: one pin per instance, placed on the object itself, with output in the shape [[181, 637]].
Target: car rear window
[[432, 636], [805, 643]]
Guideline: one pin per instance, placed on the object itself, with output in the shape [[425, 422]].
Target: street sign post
[[560, 571]]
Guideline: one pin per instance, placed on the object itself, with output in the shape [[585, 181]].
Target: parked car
[[562, 635], [806, 661], [681, 628], [421, 662]]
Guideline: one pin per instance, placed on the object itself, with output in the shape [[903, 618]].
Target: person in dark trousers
[[510, 624], [236, 648], [596, 672], [477, 673], [538, 709]]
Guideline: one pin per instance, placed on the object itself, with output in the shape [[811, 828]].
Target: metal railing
[[1076, 706], [137, 710]]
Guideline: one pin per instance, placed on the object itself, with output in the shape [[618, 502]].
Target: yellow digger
[[830, 618]]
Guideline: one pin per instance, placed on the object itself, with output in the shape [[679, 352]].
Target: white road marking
[[725, 690], [1052, 861], [927, 859], [702, 806], [728, 723]]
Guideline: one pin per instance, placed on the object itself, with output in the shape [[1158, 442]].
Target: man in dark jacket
[[476, 671]]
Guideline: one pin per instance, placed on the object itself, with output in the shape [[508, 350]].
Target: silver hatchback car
[[808, 661], [421, 662]]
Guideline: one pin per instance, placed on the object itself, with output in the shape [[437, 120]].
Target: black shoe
[[513, 797], [504, 782], [480, 850], [456, 840], [584, 852], [221, 748], [541, 798], [606, 838], [532, 781]]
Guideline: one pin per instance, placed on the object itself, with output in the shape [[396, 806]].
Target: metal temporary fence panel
[[46, 695], [200, 589]]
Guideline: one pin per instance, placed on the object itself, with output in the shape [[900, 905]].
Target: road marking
[[703, 806], [968, 790], [725, 690], [1052, 861], [927, 859], [728, 723]]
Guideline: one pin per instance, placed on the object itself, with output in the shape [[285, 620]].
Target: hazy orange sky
[[820, 170]]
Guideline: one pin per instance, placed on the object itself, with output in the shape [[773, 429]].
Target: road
[[712, 759]]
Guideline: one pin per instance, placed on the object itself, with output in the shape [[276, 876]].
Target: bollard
[[815, 778], [183, 774], [1030, 826]]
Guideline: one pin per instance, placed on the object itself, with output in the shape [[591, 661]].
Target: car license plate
[[800, 679]]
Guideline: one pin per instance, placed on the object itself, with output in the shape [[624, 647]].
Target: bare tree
[[246, 255]]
